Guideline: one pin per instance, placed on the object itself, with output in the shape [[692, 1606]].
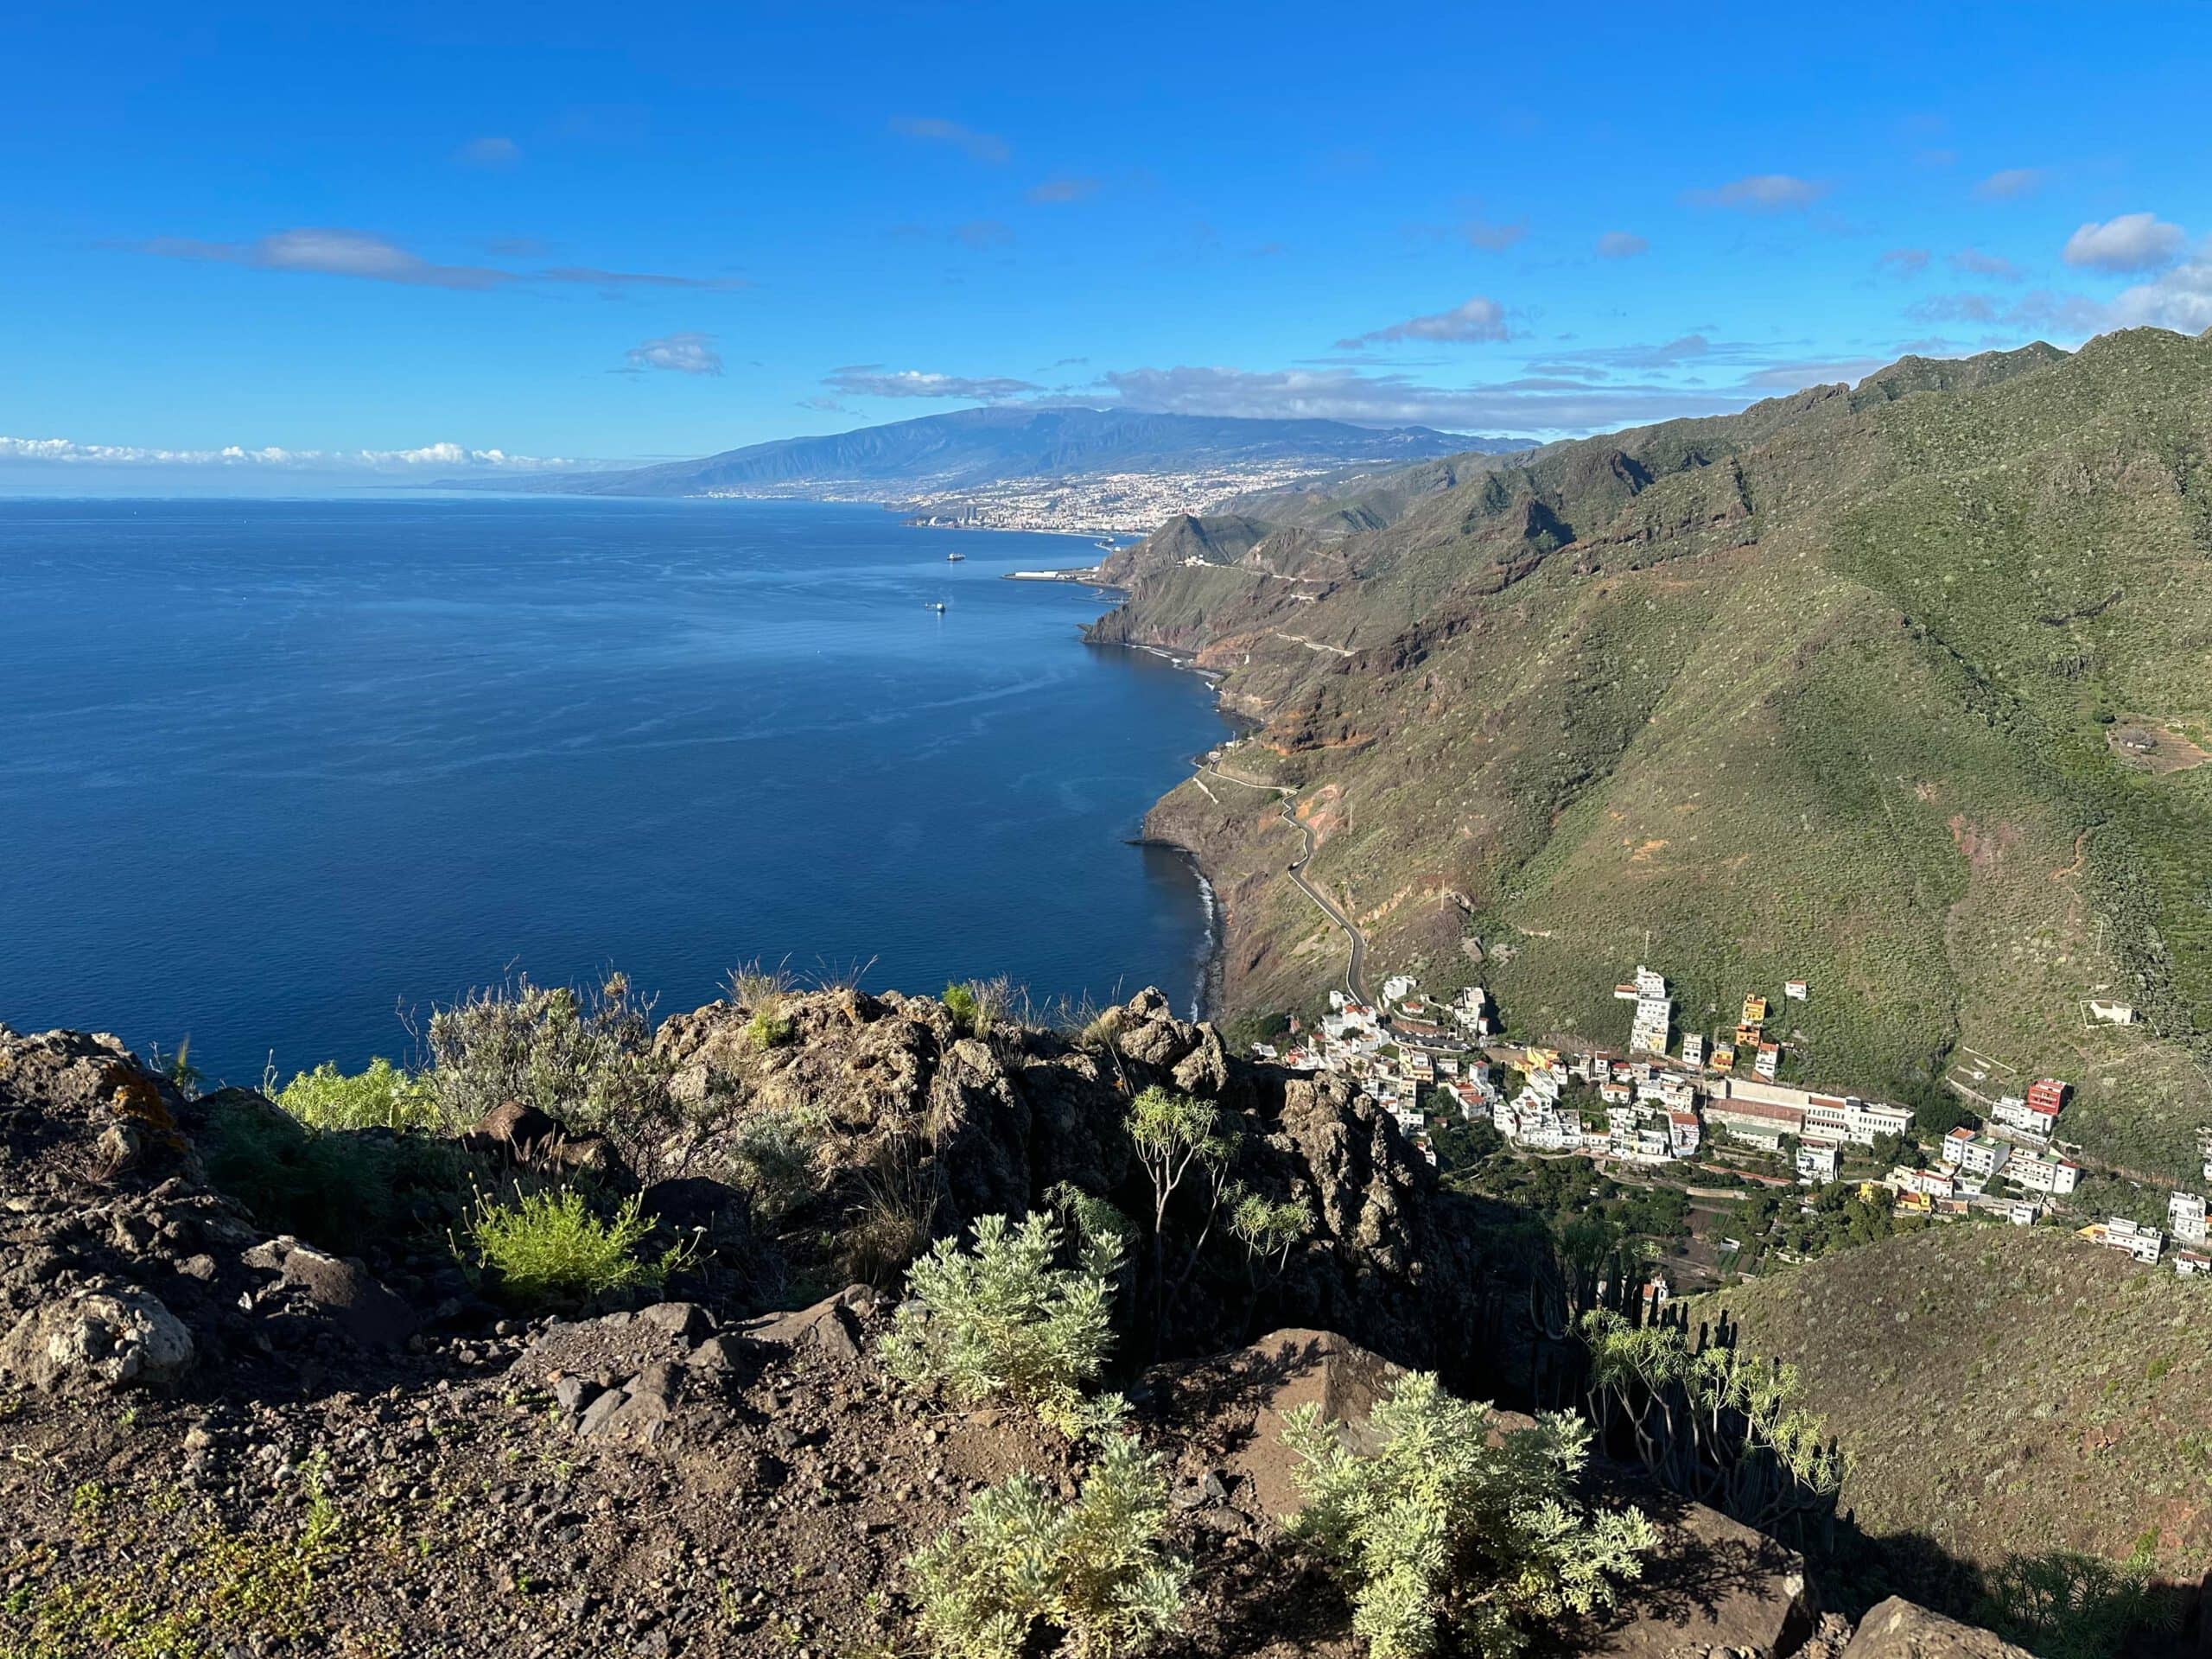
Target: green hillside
[[1898, 689], [1933, 1358]]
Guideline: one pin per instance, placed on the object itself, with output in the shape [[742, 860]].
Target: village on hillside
[[1659, 1102]]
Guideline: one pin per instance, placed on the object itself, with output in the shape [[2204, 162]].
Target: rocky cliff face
[[911, 1113]]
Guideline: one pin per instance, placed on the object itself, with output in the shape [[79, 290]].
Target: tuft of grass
[[550, 1247]]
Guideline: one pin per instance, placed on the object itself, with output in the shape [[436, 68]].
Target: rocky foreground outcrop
[[217, 1440], [904, 1103]]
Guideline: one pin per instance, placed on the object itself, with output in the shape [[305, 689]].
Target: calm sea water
[[274, 770]]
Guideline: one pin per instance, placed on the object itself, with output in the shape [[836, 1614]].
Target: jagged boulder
[[109, 1335], [1896, 1629]]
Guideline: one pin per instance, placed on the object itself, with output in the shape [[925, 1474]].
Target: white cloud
[[2131, 242], [2180, 299], [870, 380], [1904, 262], [490, 151], [977, 146], [445, 456], [1477, 319], [2010, 183], [681, 354], [1761, 193], [1621, 244]]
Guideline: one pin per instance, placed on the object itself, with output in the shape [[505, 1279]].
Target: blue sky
[[563, 234]]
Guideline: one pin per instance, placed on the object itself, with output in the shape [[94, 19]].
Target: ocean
[[278, 776]]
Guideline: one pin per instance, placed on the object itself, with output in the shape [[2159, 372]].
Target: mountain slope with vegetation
[[1898, 689], [2002, 1389]]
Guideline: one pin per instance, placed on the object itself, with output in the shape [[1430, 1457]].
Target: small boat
[[937, 605], [955, 558]]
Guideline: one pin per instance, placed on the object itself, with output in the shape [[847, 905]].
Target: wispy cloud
[[1972, 262], [615, 280], [1529, 404], [491, 151], [1493, 237], [1477, 319], [1957, 307], [681, 353], [442, 456], [333, 252], [1761, 193], [983, 234], [1683, 350], [986, 146], [336, 252], [1621, 244], [1062, 188], [2010, 183], [2133, 242], [1812, 371], [871, 380], [2040, 311], [1904, 262]]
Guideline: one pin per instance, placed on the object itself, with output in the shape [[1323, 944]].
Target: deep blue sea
[[274, 770]]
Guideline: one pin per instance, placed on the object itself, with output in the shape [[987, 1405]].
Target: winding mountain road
[[1355, 963]]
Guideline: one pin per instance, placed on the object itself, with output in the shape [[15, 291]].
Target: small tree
[[1711, 1422], [1174, 1135], [1454, 1528], [1004, 1318], [1094, 1570], [1268, 1233]]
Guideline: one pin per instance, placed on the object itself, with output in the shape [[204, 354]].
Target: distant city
[[1122, 504]]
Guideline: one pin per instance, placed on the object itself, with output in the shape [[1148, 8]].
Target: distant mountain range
[[974, 447]]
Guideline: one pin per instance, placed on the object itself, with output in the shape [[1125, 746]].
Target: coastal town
[[1711, 1105], [1131, 504]]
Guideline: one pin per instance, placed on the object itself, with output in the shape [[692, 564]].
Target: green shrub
[[963, 1004], [769, 1029], [1093, 1571], [586, 1059], [1005, 1320], [1444, 1532], [342, 1188], [384, 1098], [773, 1159], [550, 1247]]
